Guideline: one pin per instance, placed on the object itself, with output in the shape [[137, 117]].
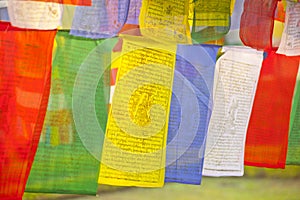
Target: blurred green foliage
[[290, 171], [261, 181]]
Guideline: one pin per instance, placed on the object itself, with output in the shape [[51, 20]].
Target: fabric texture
[[24, 91], [211, 19], [257, 21], [267, 136], [293, 153], [67, 160], [104, 19], [190, 112]]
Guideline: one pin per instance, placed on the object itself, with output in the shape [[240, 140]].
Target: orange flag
[[25, 57]]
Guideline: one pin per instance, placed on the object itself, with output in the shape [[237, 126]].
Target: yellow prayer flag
[[212, 12], [165, 20], [134, 148]]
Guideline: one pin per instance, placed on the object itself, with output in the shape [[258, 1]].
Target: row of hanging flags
[[143, 92]]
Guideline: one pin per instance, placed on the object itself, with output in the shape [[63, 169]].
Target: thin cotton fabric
[[190, 112], [293, 153], [134, 149], [34, 14], [257, 21], [134, 12], [70, 2], [165, 20], [236, 76], [104, 19], [267, 136], [24, 91], [67, 160], [211, 19]]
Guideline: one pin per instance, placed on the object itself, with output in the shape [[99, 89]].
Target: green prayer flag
[[293, 154], [67, 159]]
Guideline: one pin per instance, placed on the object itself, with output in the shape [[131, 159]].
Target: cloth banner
[[236, 76], [190, 112], [67, 160], [104, 19], [134, 12], [211, 19], [165, 20], [257, 21], [290, 42], [293, 154], [24, 90], [134, 149], [69, 2], [34, 14], [267, 136]]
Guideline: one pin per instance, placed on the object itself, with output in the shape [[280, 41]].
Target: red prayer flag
[[257, 23], [70, 2], [267, 136], [25, 57]]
